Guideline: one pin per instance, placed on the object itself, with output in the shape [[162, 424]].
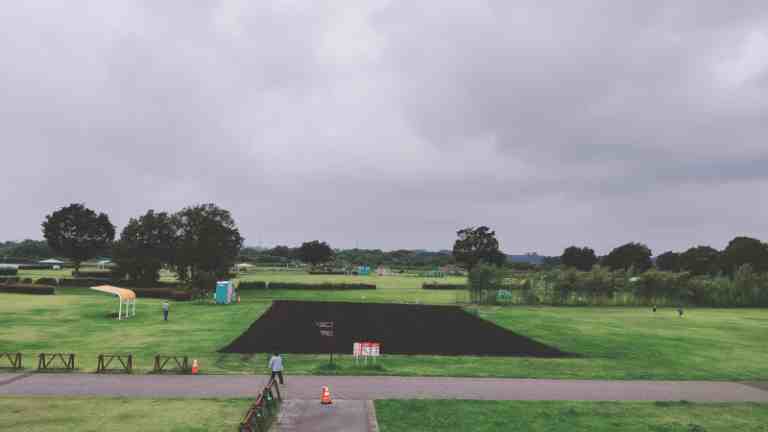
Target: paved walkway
[[379, 387]]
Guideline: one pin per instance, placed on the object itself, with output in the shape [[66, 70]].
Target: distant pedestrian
[[680, 311], [276, 366], [166, 308], [654, 308]]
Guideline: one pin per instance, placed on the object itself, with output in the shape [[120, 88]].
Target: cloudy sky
[[391, 124]]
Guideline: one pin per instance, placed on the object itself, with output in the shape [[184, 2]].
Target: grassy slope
[[31, 414], [621, 343], [487, 416]]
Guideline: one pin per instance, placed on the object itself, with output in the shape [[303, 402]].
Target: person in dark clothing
[[654, 308], [166, 307], [680, 311]]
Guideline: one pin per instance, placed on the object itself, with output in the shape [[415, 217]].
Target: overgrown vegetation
[[602, 286]]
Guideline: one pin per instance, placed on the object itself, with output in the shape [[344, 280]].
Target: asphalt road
[[379, 387]]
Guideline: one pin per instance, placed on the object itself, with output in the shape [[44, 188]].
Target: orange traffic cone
[[195, 367], [325, 399]]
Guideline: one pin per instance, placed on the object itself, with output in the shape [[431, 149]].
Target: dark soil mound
[[290, 327]]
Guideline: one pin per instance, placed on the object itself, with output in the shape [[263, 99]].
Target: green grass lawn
[[33, 414], [556, 416], [613, 343]]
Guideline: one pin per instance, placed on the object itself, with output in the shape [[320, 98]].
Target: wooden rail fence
[[13, 358], [177, 364], [48, 361], [124, 363], [262, 411]]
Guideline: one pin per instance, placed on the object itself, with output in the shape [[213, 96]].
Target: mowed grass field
[[612, 343], [38, 414], [557, 416]]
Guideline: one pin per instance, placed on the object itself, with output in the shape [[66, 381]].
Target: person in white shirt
[[276, 366]]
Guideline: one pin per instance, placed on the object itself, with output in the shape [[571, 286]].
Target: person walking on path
[[276, 366], [166, 307]]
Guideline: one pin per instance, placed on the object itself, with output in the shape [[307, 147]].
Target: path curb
[[373, 422]]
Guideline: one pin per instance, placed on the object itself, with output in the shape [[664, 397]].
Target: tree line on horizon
[[184, 241]]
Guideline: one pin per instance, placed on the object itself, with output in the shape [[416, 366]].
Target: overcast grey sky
[[391, 124]]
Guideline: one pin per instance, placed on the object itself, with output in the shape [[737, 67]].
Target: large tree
[[145, 245], [315, 252], [700, 260], [636, 256], [476, 245], [745, 250], [78, 233], [668, 261], [579, 258], [208, 243]]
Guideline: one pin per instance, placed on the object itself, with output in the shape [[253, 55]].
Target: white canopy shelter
[[126, 297]]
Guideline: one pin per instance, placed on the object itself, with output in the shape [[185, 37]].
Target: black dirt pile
[[290, 327]]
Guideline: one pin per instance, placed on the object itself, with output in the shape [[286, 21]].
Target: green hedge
[[323, 287], [163, 293], [9, 279], [28, 289], [8, 271], [251, 285], [103, 274], [47, 281], [442, 286], [84, 282]]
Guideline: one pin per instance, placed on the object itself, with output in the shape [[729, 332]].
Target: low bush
[[47, 281], [8, 270], [19, 288], [83, 282], [163, 293], [323, 286], [320, 272], [251, 285], [102, 274], [37, 266], [9, 279], [442, 286]]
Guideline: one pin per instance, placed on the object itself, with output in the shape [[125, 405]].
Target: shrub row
[[441, 286], [47, 281], [19, 288], [8, 271], [304, 286], [103, 274], [252, 285], [36, 266], [9, 279], [323, 286], [337, 273], [84, 282], [163, 293]]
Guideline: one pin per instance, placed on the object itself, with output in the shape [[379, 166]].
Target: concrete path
[[380, 387], [310, 416]]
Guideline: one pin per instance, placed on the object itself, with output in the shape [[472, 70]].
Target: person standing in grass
[[166, 308], [276, 366]]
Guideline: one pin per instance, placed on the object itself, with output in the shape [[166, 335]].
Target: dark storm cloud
[[392, 124]]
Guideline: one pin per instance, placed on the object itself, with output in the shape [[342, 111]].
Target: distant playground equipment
[[225, 292], [126, 297], [383, 271], [363, 270]]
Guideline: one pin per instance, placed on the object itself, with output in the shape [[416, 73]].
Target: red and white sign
[[366, 349]]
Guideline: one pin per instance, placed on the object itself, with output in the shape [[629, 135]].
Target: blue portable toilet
[[224, 292]]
